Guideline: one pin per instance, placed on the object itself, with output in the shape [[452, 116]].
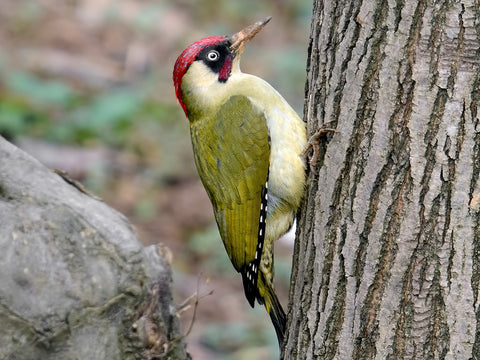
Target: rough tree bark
[[75, 283], [387, 262]]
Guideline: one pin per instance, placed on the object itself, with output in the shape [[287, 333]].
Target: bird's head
[[212, 59]]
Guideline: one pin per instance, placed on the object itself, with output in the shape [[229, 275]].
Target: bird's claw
[[314, 143]]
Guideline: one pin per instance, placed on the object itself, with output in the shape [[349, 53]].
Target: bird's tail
[[268, 297]]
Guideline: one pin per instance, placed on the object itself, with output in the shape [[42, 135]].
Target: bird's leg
[[314, 143]]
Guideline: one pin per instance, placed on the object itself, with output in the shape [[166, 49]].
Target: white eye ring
[[213, 55]]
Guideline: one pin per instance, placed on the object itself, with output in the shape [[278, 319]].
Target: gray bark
[[387, 258], [75, 283]]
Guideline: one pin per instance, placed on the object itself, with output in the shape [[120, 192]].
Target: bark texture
[[387, 262], [75, 283]]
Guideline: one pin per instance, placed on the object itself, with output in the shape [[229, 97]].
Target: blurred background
[[86, 87]]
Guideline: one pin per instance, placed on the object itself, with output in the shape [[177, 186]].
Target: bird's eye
[[213, 55]]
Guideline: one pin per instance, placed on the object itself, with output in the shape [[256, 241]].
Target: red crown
[[186, 58]]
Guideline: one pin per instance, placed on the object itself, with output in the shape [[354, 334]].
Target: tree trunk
[[75, 283], [387, 259]]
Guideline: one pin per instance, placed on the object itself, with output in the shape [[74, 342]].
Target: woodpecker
[[247, 144]]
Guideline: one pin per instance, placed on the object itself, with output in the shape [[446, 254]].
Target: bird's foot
[[314, 143]]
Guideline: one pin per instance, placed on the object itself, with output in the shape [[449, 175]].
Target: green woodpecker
[[248, 144]]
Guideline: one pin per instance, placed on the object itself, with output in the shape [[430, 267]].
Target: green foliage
[[38, 91], [13, 118], [108, 115], [27, 102], [52, 109]]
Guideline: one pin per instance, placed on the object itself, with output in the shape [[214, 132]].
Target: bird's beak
[[242, 37]]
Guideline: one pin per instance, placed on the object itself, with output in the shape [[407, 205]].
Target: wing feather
[[232, 156]]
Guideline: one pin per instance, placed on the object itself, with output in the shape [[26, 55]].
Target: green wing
[[232, 156]]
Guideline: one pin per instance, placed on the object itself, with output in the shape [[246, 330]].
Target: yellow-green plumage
[[232, 156], [243, 134]]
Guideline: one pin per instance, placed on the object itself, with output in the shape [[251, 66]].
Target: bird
[[247, 144]]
